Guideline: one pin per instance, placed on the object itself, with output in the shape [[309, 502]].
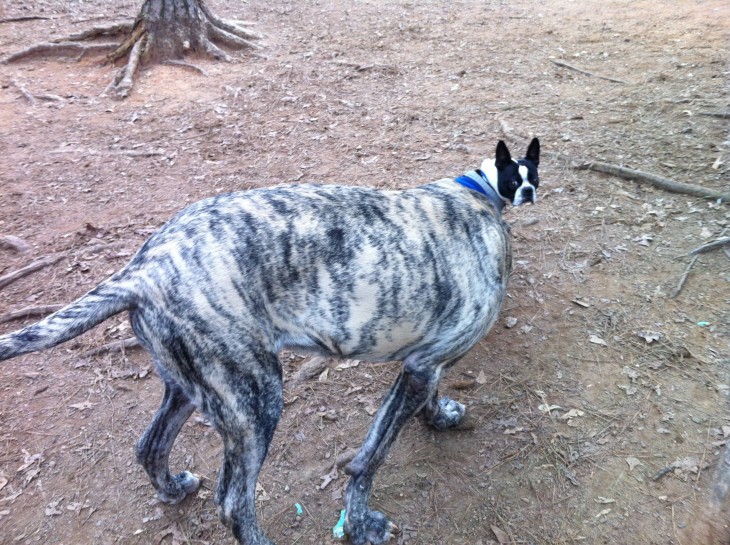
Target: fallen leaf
[[595, 339], [310, 369], [347, 364], [512, 431], [261, 494], [601, 499], [604, 512], [572, 413], [633, 462], [501, 535], [324, 375], [52, 509], [649, 336], [82, 406], [29, 459], [545, 408], [481, 378], [327, 479]]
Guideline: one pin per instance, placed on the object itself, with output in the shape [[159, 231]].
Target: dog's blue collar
[[477, 180]]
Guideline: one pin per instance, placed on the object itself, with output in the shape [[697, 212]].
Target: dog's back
[[347, 271]]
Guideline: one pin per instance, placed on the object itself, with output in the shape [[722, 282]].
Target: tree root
[[187, 65], [59, 49], [23, 91], [155, 36]]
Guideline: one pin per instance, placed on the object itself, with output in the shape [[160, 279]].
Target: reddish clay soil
[[599, 414]]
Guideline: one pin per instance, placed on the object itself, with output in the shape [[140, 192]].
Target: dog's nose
[[528, 194]]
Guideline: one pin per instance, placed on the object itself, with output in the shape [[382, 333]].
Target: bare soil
[[599, 414]]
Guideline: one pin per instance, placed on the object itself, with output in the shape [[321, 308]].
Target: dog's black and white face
[[515, 181]]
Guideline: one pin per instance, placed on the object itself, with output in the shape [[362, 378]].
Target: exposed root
[[23, 91], [124, 79], [187, 65], [59, 49], [158, 34], [115, 29], [232, 27]]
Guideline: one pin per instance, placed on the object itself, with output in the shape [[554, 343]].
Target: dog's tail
[[105, 300]]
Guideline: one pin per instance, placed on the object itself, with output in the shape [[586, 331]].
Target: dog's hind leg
[[443, 413], [245, 408], [153, 448], [415, 386]]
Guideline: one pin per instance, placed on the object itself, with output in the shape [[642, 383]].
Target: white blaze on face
[[523, 172]]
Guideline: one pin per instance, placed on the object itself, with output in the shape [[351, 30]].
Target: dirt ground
[[600, 411]]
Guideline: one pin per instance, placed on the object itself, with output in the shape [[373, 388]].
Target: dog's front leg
[[415, 386]]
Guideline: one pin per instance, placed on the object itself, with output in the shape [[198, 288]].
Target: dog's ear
[[533, 152], [502, 158]]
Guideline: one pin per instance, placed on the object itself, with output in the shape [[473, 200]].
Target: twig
[[23, 91], [28, 269], [663, 472], [122, 345], [683, 279], [586, 72], [44, 262], [187, 65], [27, 312], [721, 115], [714, 245], [361, 67], [674, 527], [656, 181], [23, 19]]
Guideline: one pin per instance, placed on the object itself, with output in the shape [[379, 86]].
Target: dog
[[417, 275]]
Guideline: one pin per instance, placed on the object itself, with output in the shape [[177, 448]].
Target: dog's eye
[[515, 183]]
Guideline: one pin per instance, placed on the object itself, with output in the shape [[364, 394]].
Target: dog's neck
[[481, 183]]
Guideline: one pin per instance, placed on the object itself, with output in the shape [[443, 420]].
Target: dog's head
[[515, 181]]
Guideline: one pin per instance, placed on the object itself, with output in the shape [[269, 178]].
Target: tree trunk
[[170, 29], [164, 31]]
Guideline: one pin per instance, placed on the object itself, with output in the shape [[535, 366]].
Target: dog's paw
[[181, 485], [449, 415], [369, 527]]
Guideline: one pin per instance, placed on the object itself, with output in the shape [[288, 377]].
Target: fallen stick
[[23, 19], [683, 279], [29, 312], [23, 91], [586, 72], [31, 268], [719, 243], [44, 262], [721, 115], [122, 345], [656, 181]]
